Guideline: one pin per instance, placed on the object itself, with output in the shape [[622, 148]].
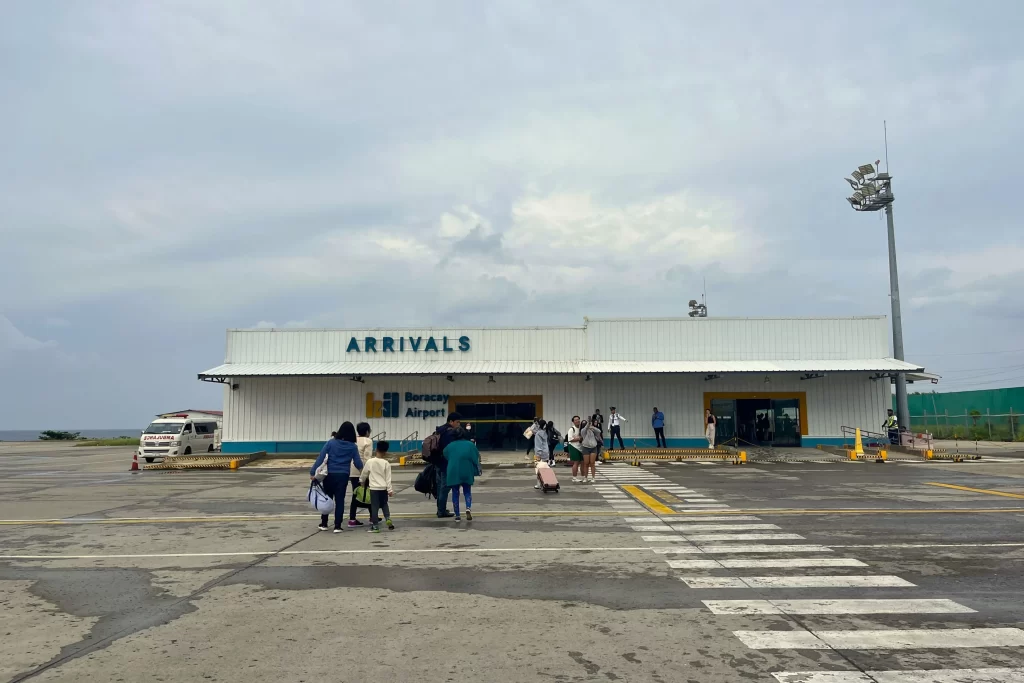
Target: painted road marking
[[860, 606], [790, 563], [665, 496], [259, 553], [890, 639], [968, 488], [714, 518], [752, 548], [915, 676], [686, 528], [655, 527], [700, 506], [662, 538], [835, 581], [652, 503], [713, 581], [640, 520], [766, 536]]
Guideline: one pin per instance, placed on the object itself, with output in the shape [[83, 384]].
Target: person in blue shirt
[[341, 452], [658, 422]]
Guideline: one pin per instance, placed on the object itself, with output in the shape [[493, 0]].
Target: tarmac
[[807, 571]]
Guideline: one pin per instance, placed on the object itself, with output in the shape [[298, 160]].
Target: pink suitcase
[[546, 477]]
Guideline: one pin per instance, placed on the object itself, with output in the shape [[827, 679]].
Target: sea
[[33, 434]]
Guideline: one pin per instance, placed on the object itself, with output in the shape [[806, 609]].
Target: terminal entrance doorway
[[760, 421], [498, 422]]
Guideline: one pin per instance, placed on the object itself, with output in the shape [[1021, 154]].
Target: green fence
[[976, 426]]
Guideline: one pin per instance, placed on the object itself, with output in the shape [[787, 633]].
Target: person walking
[[541, 445], [446, 434], [615, 429], [590, 440], [365, 445], [597, 420], [658, 422], [529, 433], [463, 468], [572, 447], [709, 431], [554, 438], [377, 476], [341, 453]]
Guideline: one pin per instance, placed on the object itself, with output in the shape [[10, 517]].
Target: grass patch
[[119, 441]]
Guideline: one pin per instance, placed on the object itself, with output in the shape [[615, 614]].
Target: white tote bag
[[321, 472], [319, 499]]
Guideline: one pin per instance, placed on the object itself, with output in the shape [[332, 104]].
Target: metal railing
[[868, 438], [380, 436], [403, 446]]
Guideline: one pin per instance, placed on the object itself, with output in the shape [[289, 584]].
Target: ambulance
[[174, 435]]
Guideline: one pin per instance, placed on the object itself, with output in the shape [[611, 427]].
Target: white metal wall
[[324, 346], [838, 399], [738, 339], [310, 408], [623, 340]]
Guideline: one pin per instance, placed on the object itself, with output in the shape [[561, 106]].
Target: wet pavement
[[666, 572]]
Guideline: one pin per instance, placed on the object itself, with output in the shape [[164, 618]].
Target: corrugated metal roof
[[453, 367]]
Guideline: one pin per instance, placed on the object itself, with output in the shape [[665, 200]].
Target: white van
[[181, 435]]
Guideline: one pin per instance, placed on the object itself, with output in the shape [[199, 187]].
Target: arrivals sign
[[403, 344]]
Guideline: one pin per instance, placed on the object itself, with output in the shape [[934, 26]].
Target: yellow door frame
[[801, 396]]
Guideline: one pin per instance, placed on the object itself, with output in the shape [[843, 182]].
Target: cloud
[[13, 339], [57, 322]]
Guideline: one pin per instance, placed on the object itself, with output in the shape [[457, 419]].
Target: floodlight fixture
[[858, 176], [853, 184], [866, 169]]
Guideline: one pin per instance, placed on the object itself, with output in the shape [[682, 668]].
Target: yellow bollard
[[858, 445], [233, 465], [929, 454], [882, 456], [743, 457], [401, 461], [852, 454]]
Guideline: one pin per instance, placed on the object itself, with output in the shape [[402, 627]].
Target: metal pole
[[902, 408]]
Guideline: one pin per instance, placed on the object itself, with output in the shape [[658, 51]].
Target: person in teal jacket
[[463, 467]]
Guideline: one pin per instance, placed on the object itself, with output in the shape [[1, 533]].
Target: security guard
[[892, 427]]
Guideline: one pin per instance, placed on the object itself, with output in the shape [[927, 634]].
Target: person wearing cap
[[446, 434]]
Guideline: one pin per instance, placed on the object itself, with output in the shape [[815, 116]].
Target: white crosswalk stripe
[[858, 606], [689, 528], [888, 639], [1014, 675], [697, 519], [775, 563], [832, 581], [763, 536], [740, 549]]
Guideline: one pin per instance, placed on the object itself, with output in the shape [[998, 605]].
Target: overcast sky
[[169, 170]]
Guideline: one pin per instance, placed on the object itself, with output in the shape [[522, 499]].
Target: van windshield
[[164, 428]]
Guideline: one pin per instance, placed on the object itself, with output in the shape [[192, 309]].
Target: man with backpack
[[433, 454]]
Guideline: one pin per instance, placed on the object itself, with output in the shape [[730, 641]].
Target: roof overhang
[[587, 367]]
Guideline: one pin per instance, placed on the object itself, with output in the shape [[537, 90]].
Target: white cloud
[[57, 322], [13, 339]]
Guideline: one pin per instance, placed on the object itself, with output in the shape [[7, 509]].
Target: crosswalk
[[715, 552]]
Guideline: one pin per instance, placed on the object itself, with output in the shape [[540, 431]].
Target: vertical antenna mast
[[885, 135]]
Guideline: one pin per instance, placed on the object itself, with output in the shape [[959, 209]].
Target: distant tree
[[54, 435]]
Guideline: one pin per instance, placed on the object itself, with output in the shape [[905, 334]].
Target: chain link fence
[[974, 426]]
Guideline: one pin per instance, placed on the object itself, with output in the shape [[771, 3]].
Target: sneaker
[[575, 480], [322, 527], [446, 513], [391, 527], [591, 481], [373, 529], [457, 518], [469, 515], [354, 523], [537, 485], [337, 529]]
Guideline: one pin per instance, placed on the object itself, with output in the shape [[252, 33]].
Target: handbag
[[528, 433], [321, 472], [362, 496], [319, 499]]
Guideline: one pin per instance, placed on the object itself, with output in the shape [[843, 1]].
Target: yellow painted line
[[666, 496], [1004, 494], [651, 502]]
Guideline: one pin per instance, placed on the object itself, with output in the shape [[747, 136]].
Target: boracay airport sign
[[406, 344]]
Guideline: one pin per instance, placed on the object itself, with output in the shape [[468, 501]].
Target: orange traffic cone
[[135, 462]]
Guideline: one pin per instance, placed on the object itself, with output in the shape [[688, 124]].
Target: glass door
[[785, 422], [724, 410]]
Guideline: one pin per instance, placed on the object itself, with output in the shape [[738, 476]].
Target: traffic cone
[[135, 462]]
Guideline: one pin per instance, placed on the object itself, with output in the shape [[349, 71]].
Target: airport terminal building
[[769, 381]]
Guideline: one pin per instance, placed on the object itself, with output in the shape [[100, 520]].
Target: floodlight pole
[[902, 407]]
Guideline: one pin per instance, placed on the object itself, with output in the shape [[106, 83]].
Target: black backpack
[[426, 481]]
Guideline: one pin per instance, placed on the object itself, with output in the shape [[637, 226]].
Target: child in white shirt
[[377, 476]]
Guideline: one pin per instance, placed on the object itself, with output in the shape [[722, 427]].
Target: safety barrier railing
[[404, 444], [380, 436]]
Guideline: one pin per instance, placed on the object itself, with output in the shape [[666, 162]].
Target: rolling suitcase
[[546, 477]]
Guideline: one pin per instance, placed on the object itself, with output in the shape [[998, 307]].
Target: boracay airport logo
[[390, 406]]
